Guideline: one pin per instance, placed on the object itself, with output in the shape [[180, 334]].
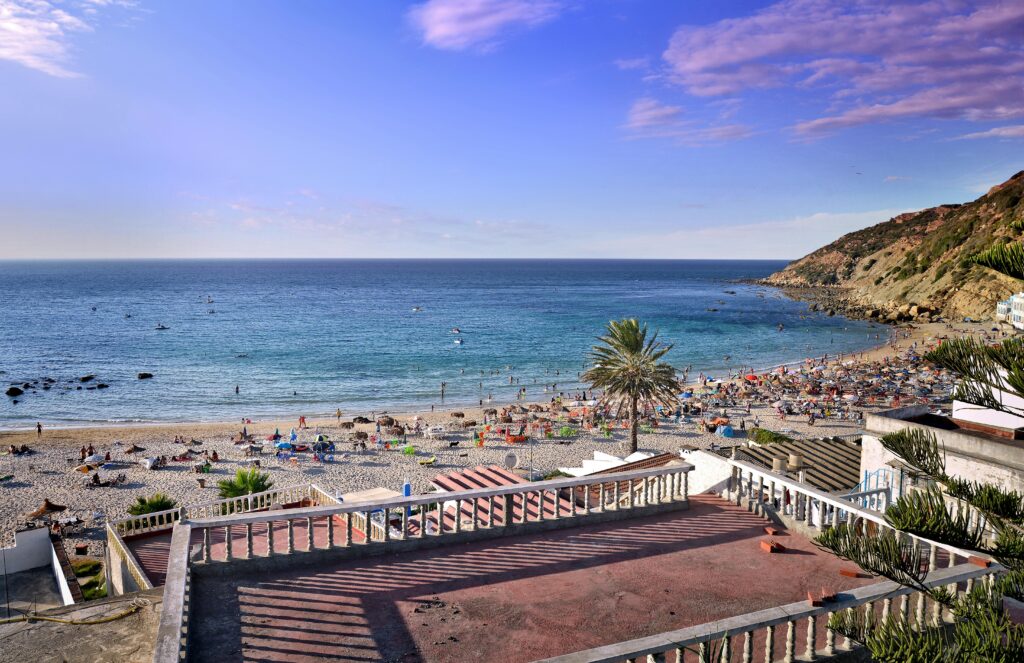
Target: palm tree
[[626, 367], [246, 482], [152, 504]]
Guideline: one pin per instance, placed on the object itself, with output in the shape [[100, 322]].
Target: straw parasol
[[396, 430], [362, 420], [347, 425], [469, 423], [458, 415], [134, 449], [489, 411], [361, 435], [386, 421], [506, 419], [46, 509]]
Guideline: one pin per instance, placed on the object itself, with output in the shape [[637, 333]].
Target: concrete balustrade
[[761, 627], [437, 515], [163, 520]]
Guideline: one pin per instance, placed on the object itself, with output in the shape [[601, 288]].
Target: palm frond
[[919, 449]]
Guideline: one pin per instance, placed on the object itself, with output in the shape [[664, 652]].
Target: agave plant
[[627, 366]]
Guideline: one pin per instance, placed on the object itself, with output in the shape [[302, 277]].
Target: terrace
[[628, 565]]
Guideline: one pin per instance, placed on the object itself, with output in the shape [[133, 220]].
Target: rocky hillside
[[917, 260]]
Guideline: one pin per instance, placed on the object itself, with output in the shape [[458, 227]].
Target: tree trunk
[[634, 427]]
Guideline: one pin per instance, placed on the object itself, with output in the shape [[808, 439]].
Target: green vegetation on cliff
[[921, 257]]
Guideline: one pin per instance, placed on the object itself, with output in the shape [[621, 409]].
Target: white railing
[[762, 490], [876, 499], [118, 549], [439, 514], [764, 627], [162, 520]]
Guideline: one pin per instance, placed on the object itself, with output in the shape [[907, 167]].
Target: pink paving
[[518, 598]]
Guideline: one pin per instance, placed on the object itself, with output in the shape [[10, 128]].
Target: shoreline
[[385, 408], [327, 419]]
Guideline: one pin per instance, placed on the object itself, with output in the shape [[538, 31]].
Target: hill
[[917, 260]]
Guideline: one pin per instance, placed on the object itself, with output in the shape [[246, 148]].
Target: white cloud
[[458, 25], [629, 64], [647, 112], [38, 33], [1015, 131]]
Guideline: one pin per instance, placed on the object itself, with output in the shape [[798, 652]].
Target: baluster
[[830, 637], [658, 657], [330, 531], [476, 519], [905, 606], [586, 500], [458, 516], [291, 537], [812, 635], [748, 648], [686, 486], [760, 495], [726, 649], [248, 540], [490, 510], [750, 491], [769, 644], [309, 534], [600, 496], [206, 545], [631, 497], [738, 484], [615, 495], [702, 652], [507, 510], [405, 522], [790, 642], [555, 504], [270, 538], [348, 528]]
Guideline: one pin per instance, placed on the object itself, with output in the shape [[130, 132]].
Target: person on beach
[[82, 453], [338, 415], [39, 429]]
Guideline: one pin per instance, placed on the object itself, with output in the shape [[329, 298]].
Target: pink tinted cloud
[[1016, 131], [878, 60], [458, 25], [650, 118]]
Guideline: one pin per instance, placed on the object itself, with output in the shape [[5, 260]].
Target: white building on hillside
[[1012, 310]]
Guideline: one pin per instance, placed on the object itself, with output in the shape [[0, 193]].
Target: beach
[[47, 473]]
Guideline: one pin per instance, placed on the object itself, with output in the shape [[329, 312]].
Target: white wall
[[31, 550], [980, 415], [710, 473], [62, 582]]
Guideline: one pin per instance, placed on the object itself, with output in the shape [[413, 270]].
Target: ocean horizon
[[309, 336]]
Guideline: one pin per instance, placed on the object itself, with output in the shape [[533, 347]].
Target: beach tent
[[283, 445], [724, 431]]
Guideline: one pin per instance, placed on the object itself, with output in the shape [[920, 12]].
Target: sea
[[311, 336]]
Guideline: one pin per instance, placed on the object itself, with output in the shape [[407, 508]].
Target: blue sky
[[494, 128]]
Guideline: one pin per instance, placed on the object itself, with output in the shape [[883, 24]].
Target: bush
[[94, 588], [556, 474], [765, 436], [86, 567], [246, 482], [152, 504], [566, 431]]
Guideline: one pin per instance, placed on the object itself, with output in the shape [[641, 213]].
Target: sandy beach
[[48, 471]]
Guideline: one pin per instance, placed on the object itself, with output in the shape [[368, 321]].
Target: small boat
[[209, 300], [210, 312], [416, 309], [458, 341], [711, 310], [127, 315], [161, 327], [456, 330]]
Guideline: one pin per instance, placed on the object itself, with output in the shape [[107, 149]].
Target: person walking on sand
[[39, 429], [338, 415]]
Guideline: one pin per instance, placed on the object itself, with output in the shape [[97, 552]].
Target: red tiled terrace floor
[[512, 599]]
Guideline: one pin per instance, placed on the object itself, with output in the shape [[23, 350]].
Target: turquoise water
[[306, 337]]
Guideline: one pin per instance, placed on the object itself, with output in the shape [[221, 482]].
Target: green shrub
[[152, 504], [246, 482], [765, 436], [556, 474], [94, 588], [86, 567], [566, 431]]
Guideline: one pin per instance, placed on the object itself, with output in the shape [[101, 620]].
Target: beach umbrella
[[283, 445], [46, 509], [348, 425], [133, 449], [361, 435], [95, 458], [361, 420], [386, 421], [458, 415], [85, 469], [490, 411]]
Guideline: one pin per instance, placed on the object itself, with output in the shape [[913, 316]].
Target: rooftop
[[527, 596]]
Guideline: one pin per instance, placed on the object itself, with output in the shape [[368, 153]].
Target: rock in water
[[145, 376], [14, 391], [86, 378]]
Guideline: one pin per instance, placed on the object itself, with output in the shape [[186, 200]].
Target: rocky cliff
[[914, 265]]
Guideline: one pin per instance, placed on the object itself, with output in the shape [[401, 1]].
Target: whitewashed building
[[1012, 310]]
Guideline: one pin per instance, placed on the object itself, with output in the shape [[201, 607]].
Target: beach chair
[[428, 461]]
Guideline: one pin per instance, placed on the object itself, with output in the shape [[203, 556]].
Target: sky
[[494, 128]]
